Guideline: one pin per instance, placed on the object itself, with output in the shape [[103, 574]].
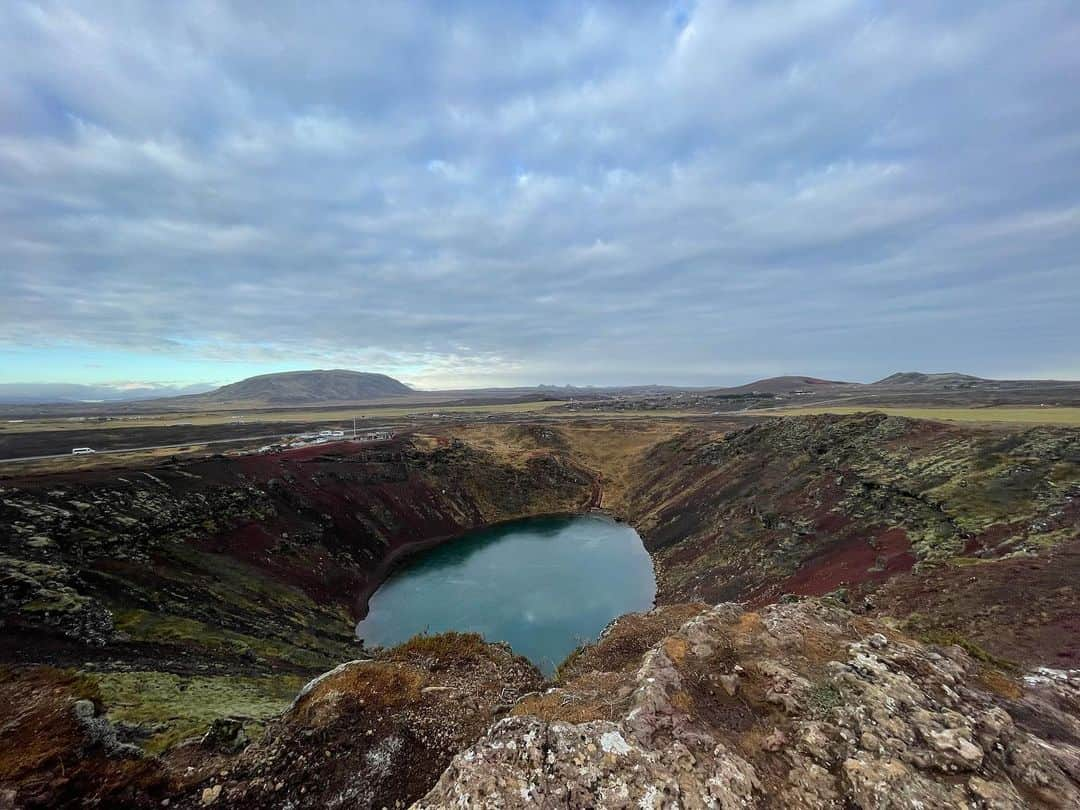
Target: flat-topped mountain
[[944, 379], [301, 387], [785, 384]]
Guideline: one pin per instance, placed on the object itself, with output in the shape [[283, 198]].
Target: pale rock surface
[[802, 705]]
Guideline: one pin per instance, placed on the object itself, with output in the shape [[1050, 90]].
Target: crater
[[542, 585]]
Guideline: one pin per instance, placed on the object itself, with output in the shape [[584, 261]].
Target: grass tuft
[[442, 649], [946, 638], [565, 669], [823, 698]]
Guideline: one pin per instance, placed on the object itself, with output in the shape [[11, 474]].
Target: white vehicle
[[82, 451]]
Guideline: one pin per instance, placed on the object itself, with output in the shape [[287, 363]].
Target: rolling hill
[[943, 380]]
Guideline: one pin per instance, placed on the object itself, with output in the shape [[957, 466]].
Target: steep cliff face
[[206, 554], [196, 591], [263, 556], [872, 507]]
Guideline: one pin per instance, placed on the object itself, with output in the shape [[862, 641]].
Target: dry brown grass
[[612, 448], [998, 682], [38, 726], [257, 416], [441, 650], [607, 449], [621, 649], [1003, 414], [675, 649], [594, 696], [373, 685]]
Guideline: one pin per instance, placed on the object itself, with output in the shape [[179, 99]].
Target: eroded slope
[[818, 504], [199, 590]]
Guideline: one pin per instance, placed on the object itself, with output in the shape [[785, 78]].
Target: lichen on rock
[[906, 725]]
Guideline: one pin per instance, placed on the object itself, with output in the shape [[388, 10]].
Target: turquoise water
[[543, 585]]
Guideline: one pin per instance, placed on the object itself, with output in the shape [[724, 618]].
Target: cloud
[[489, 192]]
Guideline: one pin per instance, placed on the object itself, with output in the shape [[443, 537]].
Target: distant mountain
[[949, 379], [306, 387], [316, 387], [65, 393], [784, 385]]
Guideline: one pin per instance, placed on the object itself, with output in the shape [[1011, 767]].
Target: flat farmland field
[[254, 417], [54, 436]]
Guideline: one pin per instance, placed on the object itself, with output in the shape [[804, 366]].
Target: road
[[191, 443]]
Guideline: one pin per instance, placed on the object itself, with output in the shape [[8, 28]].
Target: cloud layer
[[501, 193]]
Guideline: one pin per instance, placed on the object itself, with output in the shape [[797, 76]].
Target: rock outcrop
[[798, 705], [802, 705], [371, 733]]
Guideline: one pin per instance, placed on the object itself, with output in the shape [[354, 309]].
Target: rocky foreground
[[798, 705]]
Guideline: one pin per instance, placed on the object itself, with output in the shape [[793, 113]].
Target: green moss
[[935, 545], [925, 631], [59, 601], [1004, 492], [823, 698], [182, 707], [1050, 539], [168, 629], [270, 618]]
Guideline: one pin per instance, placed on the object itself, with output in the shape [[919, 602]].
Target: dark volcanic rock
[[277, 550], [811, 504]]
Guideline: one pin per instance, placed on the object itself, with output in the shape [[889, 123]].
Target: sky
[[504, 193]]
